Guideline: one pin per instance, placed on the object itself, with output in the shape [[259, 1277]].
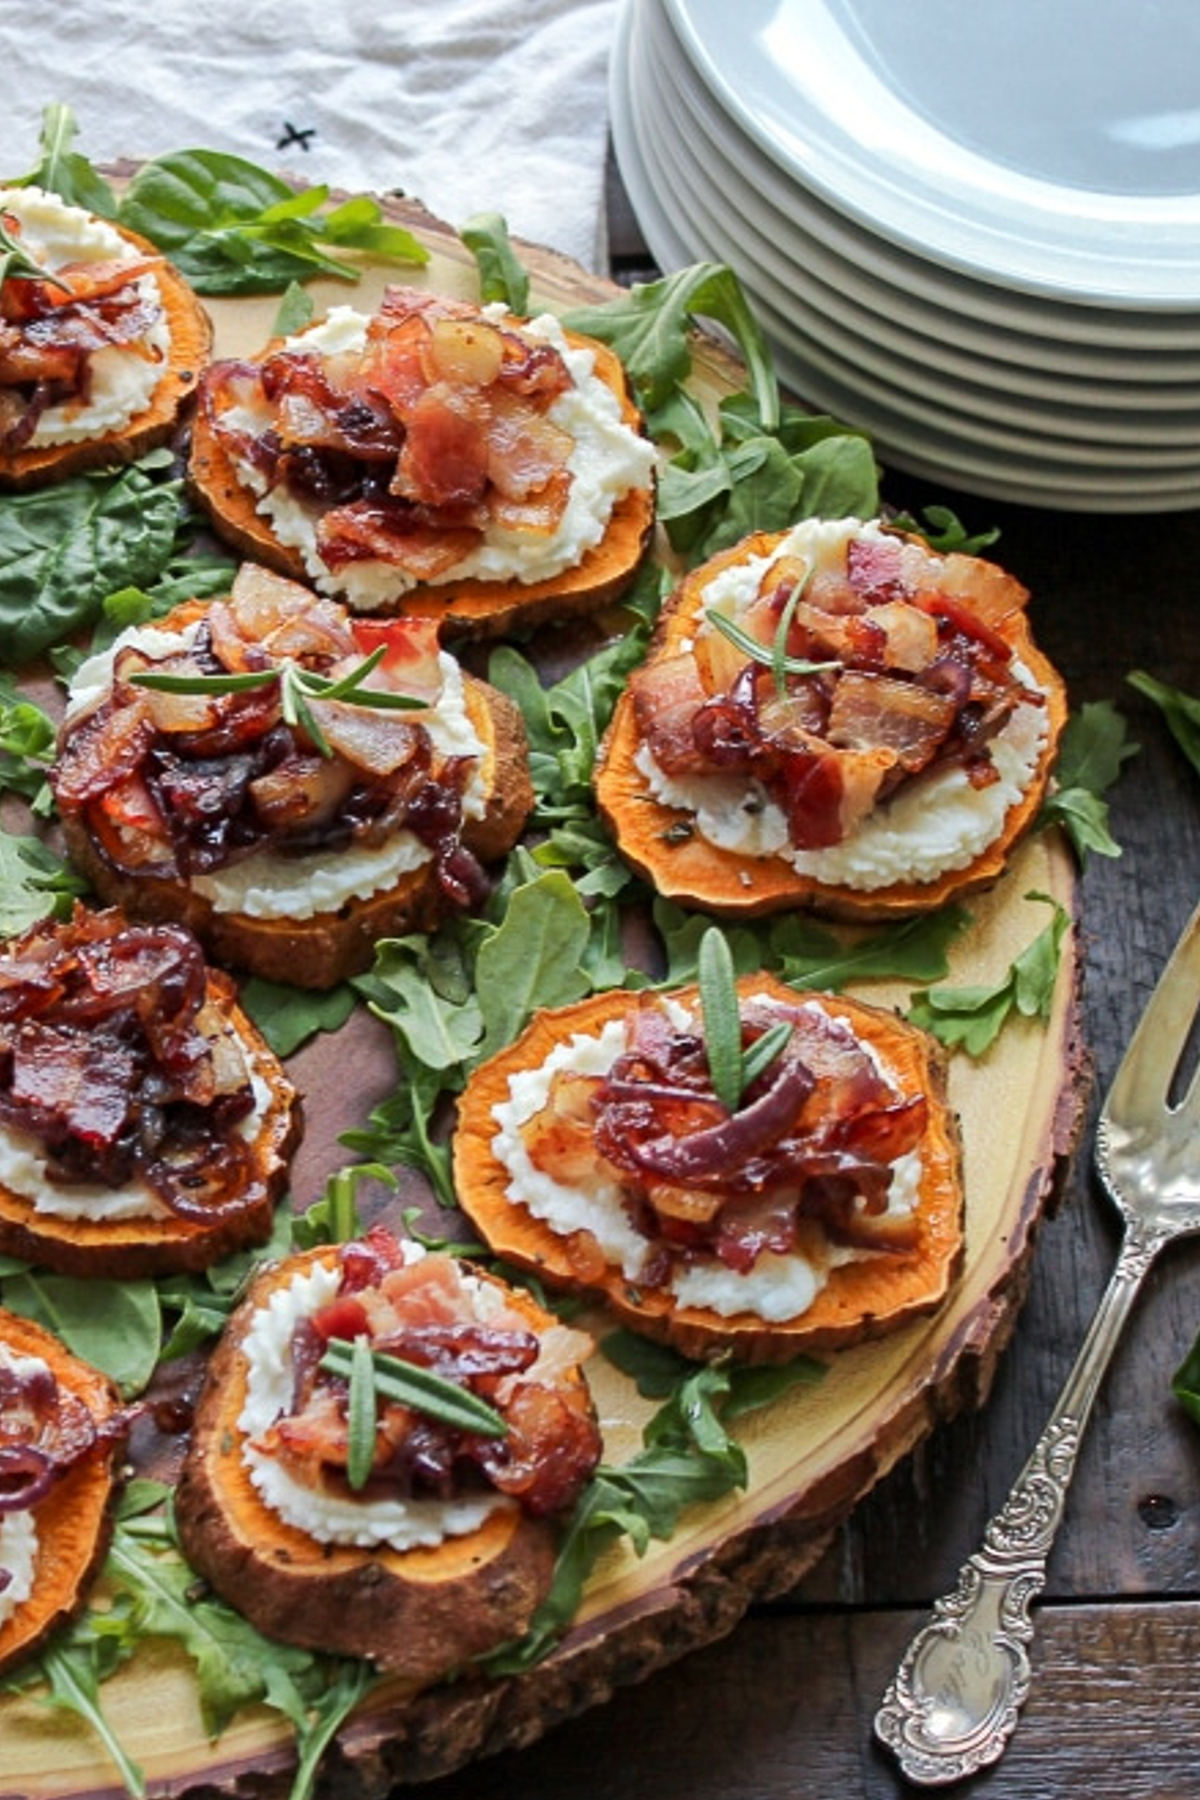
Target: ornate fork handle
[[954, 1699]]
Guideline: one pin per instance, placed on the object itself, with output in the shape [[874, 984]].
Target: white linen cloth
[[466, 105]]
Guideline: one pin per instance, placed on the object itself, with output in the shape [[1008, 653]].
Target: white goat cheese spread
[[18, 1530], [23, 1172], [778, 1287], [265, 885], [608, 460], [935, 823], [121, 377], [329, 1517]]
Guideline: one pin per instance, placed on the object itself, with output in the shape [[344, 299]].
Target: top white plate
[[1054, 147]]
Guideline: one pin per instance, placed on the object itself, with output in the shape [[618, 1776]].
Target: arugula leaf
[[808, 955], [648, 327], [158, 1588], [72, 1671], [533, 958], [1181, 711], [64, 171], [334, 1218], [35, 883], [971, 1018], [501, 274], [234, 228], [1185, 1383], [27, 745], [944, 532], [65, 548], [688, 1457], [1092, 751]]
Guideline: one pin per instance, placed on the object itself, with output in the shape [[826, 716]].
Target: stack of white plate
[[971, 227]]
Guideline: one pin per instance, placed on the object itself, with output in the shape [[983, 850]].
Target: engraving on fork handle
[[955, 1697], [953, 1702]]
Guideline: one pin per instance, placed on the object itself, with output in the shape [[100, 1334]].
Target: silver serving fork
[[953, 1702]]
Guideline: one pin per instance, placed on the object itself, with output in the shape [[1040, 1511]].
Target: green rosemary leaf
[[757, 1059], [419, 1388], [360, 1415], [767, 653], [722, 1019], [164, 683]]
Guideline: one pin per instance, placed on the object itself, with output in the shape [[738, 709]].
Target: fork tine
[[1138, 1094]]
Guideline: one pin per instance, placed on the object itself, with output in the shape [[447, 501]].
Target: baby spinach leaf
[[116, 1326], [234, 228], [63, 549], [288, 1016]]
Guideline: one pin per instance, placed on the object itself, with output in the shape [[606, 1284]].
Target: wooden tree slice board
[[812, 1455]]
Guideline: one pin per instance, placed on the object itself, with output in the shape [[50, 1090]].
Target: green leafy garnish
[[649, 329], [297, 687], [688, 1457], [1185, 1383], [233, 228], [773, 655], [971, 1018], [426, 1392], [16, 264], [731, 1069], [1180, 709], [1092, 751], [361, 1414], [35, 883], [288, 1016], [502, 276], [65, 548]]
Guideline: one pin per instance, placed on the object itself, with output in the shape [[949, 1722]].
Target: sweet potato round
[[468, 608], [320, 951], [137, 1248], [862, 1299], [658, 841], [190, 347], [73, 1521], [421, 1612]]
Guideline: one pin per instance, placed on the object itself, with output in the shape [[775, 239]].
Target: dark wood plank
[[783, 1711]]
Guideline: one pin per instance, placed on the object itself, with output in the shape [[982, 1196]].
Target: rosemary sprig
[[730, 1068], [361, 1414], [772, 655], [297, 687], [16, 264], [422, 1389]]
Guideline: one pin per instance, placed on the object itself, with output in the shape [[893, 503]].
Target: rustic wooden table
[[782, 1708]]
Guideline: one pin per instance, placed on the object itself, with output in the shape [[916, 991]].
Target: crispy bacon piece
[[814, 1138], [50, 330], [425, 1312], [411, 450], [114, 1061], [911, 669], [178, 784]]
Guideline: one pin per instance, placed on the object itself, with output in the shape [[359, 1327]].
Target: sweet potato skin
[[191, 347], [468, 608], [861, 1299], [135, 1249], [319, 952], [421, 1613], [681, 865], [74, 1520]]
